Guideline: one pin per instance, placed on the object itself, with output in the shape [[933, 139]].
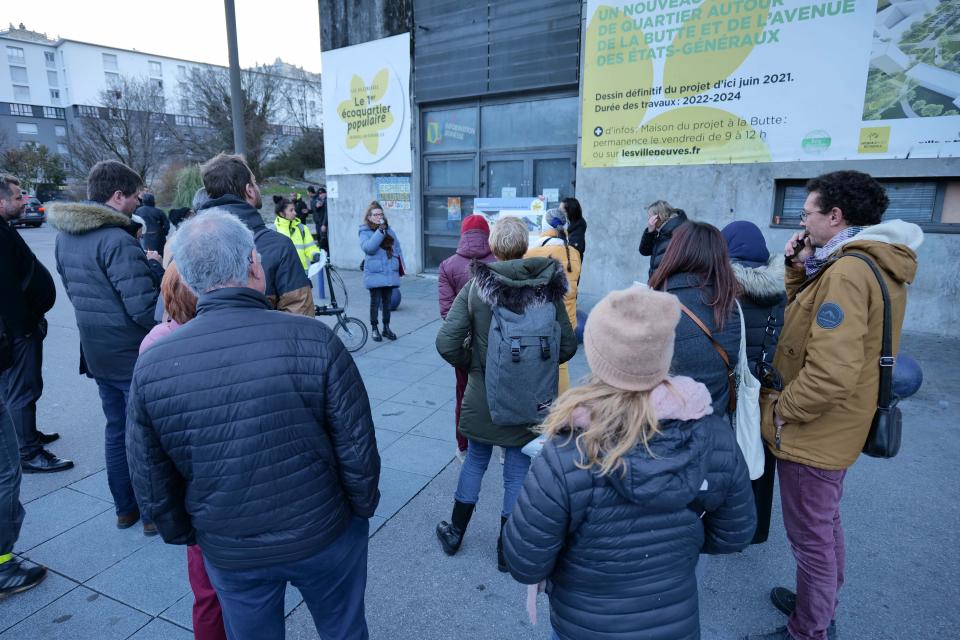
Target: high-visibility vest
[[300, 236]]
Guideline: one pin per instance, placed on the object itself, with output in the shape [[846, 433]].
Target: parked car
[[34, 214]]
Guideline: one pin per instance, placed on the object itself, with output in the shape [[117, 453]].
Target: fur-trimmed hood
[[520, 284], [764, 284], [77, 218]]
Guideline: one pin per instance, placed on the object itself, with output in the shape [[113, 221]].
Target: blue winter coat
[[249, 431], [112, 285], [378, 269], [618, 552]]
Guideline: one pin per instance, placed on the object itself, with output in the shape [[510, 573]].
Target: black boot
[[451, 534], [14, 577], [786, 601], [375, 334], [501, 561], [389, 335]]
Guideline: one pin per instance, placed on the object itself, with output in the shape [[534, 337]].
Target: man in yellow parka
[[828, 357], [552, 243]]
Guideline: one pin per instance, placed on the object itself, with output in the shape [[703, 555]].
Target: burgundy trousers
[[810, 498], [207, 615], [461, 388]]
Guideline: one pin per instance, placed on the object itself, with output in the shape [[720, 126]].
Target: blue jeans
[[515, 466], [332, 583], [11, 511], [113, 397]]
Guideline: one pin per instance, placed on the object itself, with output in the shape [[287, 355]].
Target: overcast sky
[[189, 29]]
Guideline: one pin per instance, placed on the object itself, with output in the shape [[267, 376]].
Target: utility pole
[[236, 97]]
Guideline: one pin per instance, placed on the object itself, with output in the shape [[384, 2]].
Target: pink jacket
[[455, 270], [159, 332]]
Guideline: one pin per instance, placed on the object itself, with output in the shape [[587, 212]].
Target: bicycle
[[351, 331]]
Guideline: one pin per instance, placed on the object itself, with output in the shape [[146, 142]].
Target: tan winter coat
[[828, 354]]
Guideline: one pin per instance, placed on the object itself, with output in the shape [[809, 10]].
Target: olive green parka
[[517, 285]]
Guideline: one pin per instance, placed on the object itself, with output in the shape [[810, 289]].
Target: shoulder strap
[[886, 350], [716, 345]]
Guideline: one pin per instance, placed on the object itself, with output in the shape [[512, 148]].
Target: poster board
[[671, 82], [366, 107]]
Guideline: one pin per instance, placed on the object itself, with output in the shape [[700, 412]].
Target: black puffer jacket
[[112, 285], [577, 235], [26, 288], [693, 353], [250, 433], [287, 286], [654, 243], [157, 225], [619, 552], [764, 295]]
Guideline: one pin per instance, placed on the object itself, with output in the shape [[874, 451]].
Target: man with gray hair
[[250, 434]]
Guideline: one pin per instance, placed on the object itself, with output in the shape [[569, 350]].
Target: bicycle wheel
[[352, 332]]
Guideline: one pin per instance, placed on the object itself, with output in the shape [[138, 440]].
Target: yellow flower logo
[[363, 114]]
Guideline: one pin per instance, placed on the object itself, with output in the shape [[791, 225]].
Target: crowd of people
[[246, 434]]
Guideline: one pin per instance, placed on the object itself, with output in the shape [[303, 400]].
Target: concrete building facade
[[496, 109]]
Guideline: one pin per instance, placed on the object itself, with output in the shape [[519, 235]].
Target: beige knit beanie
[[629, 337]]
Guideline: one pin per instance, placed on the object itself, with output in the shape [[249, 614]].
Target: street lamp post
[[236, 97]]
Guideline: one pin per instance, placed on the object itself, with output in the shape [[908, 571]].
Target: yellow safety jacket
[[301, 238]]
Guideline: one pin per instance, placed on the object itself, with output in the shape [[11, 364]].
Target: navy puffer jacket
[[693, 353], [112, 285], [249, 432], [764, 297], [618, 552]]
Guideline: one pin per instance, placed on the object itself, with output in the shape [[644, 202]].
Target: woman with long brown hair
[[636, 479], [696, 268], [381, 266]]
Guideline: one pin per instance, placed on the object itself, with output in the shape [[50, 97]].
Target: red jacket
[[455, 270]]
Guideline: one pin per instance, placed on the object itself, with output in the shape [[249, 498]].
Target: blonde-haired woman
[[610, 513], [381, 266], [662, 220], [518, 284]]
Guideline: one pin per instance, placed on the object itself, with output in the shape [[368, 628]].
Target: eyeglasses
[[804, 214]]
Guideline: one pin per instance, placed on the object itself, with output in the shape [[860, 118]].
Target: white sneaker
[[461, 455]]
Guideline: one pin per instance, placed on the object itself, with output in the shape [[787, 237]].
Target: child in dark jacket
[[610, 513]]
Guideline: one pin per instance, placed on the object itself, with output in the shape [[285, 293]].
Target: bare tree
[[128, 125], [206, 94]]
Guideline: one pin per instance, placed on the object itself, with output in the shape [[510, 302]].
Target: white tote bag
[[747, 416]]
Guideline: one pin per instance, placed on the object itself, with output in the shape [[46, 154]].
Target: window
[[21, 93], [55, 96], [53, 79], [19, 74], [51, 58], [110, 62], [181, 72], [61, 131], [21, 110], [62, 149], [529, 124], [156, 69], [27, 129], [15, 55], [87, 111], [932, 203], [112, 78], [156, 83], [54, 113]]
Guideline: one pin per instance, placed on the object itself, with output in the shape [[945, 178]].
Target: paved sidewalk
[[901, 516]]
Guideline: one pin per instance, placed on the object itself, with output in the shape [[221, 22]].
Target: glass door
[[529, 174]]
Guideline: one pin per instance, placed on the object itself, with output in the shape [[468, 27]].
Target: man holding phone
[[828, 357]]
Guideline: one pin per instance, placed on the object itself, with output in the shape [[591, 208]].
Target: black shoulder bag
[[885, 432]]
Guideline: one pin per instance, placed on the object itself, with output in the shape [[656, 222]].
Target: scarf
[[820, 257]]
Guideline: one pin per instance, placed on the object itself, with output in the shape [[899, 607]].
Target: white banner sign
[[718, 81], [366, 107]]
